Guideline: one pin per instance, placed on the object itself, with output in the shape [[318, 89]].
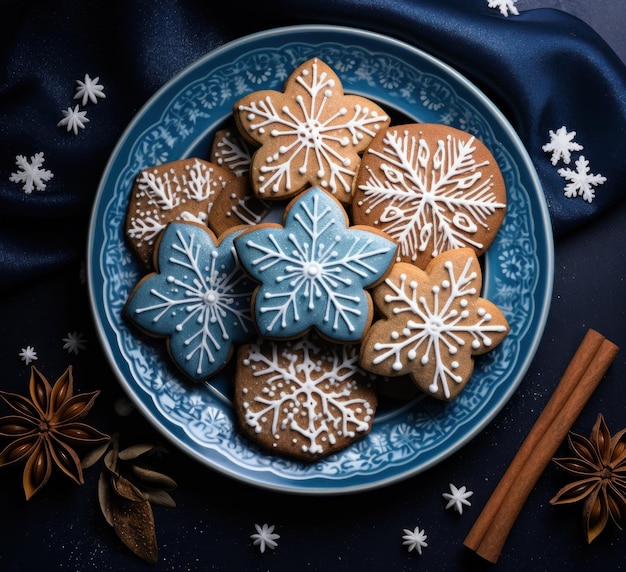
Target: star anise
[[600, 465], [45, 429]]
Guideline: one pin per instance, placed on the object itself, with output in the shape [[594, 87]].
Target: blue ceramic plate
[[178, 122]]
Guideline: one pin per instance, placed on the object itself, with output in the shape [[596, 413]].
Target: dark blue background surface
[[61, 527]]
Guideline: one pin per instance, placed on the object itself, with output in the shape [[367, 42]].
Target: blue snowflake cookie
[[314, 269], [199, 299]]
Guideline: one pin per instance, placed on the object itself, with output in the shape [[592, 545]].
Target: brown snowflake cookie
[[304, 398], [431, 188], [229, 149], [310, 134], [178, 191], [434, 322], [237, 206]]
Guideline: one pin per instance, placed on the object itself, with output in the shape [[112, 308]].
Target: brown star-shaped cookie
[[310, 134], [434, 322]]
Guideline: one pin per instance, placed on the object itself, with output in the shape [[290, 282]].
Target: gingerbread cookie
[[310, 134], [237, 205], [229, 149], [313, 270], [431, 188], [433, 324], [179, 191], [198, 299], [303, 398]]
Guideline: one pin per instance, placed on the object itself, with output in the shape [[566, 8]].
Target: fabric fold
[[543, 68]]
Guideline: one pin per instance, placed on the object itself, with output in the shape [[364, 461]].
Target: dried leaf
[[161, 498], [93, 456], [135, 451], [125, 489], [110, 462], [133, 523], [154, 478], [105, 493]]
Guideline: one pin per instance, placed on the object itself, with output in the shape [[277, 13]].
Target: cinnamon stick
[[580, 379], [574, 371]]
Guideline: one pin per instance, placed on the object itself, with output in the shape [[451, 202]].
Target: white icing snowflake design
[[89, 90], [199, 299], [171, 191], [561, 145], [434, 323], [581, 181], [73, 119], [457, 498], [414, 539], [313, 142], [31, 175], [308, 392], [436, 199], [505, 6], [313, 271], [232, 151], [265, 537]]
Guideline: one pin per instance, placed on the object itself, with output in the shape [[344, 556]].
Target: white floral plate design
[[178, 122]]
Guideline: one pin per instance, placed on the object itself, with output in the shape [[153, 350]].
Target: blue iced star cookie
[[198, 299], [314, 269]]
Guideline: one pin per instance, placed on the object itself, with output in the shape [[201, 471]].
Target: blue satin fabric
[[543, 68]]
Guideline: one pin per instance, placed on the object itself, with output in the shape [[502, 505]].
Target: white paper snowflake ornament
[[581, 182], [313, 270], [434, 322], [561, 145], [198, 299], [28, 355], [414, 539], [31, 174], [89, 90], [431, 188], [73, 119], [458, 498], [506, 7], [265, 537]]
